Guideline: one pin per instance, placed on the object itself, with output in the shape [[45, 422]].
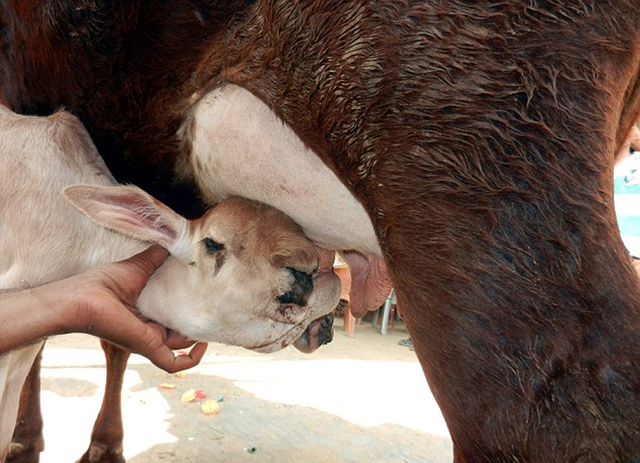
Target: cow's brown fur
[[480, 138], [122, 67]]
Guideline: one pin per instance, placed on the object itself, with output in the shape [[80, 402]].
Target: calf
[[243, 274]]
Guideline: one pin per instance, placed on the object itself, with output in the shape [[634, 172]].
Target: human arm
[[100, 302]]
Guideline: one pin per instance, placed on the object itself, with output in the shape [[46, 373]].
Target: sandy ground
[[361, 399]]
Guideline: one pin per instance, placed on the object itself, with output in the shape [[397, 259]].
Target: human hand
[[102, 302]]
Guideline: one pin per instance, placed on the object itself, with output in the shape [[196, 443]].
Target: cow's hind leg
[[107, 434], [28, 442]]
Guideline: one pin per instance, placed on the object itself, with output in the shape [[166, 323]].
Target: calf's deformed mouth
[[318, 333]]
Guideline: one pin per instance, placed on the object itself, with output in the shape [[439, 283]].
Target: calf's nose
[[301, 288]]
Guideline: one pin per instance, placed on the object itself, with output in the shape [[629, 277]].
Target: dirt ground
[[361, 399]]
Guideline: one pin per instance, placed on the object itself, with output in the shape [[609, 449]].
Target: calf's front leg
[[107, 434]]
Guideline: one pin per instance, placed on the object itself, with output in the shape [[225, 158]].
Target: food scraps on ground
[[210, 407], [181, 374], [188, 396], [167, 386], [193, 394]]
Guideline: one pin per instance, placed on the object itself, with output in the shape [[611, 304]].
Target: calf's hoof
[[100, 453], [22, 451]]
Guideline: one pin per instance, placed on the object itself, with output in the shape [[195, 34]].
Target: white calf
[[243, 274]]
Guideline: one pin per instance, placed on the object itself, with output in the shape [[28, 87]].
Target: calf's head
[[243, 274]]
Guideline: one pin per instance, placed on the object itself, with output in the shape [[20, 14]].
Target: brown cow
[[479, 138]]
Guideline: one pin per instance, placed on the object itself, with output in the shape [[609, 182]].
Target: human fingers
[[147, 261], [163, 357], [177, 341], [129, 276], [152, 345]]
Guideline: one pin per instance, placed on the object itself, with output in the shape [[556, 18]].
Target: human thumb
[[149, 260]]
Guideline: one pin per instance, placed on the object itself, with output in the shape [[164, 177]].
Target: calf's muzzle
[[318, 333]]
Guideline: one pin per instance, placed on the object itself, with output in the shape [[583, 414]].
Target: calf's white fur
[[221, 282]]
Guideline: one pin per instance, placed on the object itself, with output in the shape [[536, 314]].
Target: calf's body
[[243, 274]]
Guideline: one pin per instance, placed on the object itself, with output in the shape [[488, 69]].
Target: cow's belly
[[240, 147]]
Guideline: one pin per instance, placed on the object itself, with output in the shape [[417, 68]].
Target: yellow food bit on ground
[[188, 396], [210, 407]]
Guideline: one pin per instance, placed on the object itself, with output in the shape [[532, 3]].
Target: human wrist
[[56, 300], [30, 317]]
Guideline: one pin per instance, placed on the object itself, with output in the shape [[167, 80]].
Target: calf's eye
[[212, 246]]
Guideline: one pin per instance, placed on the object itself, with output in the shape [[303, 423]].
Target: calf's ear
[[131, 211]]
